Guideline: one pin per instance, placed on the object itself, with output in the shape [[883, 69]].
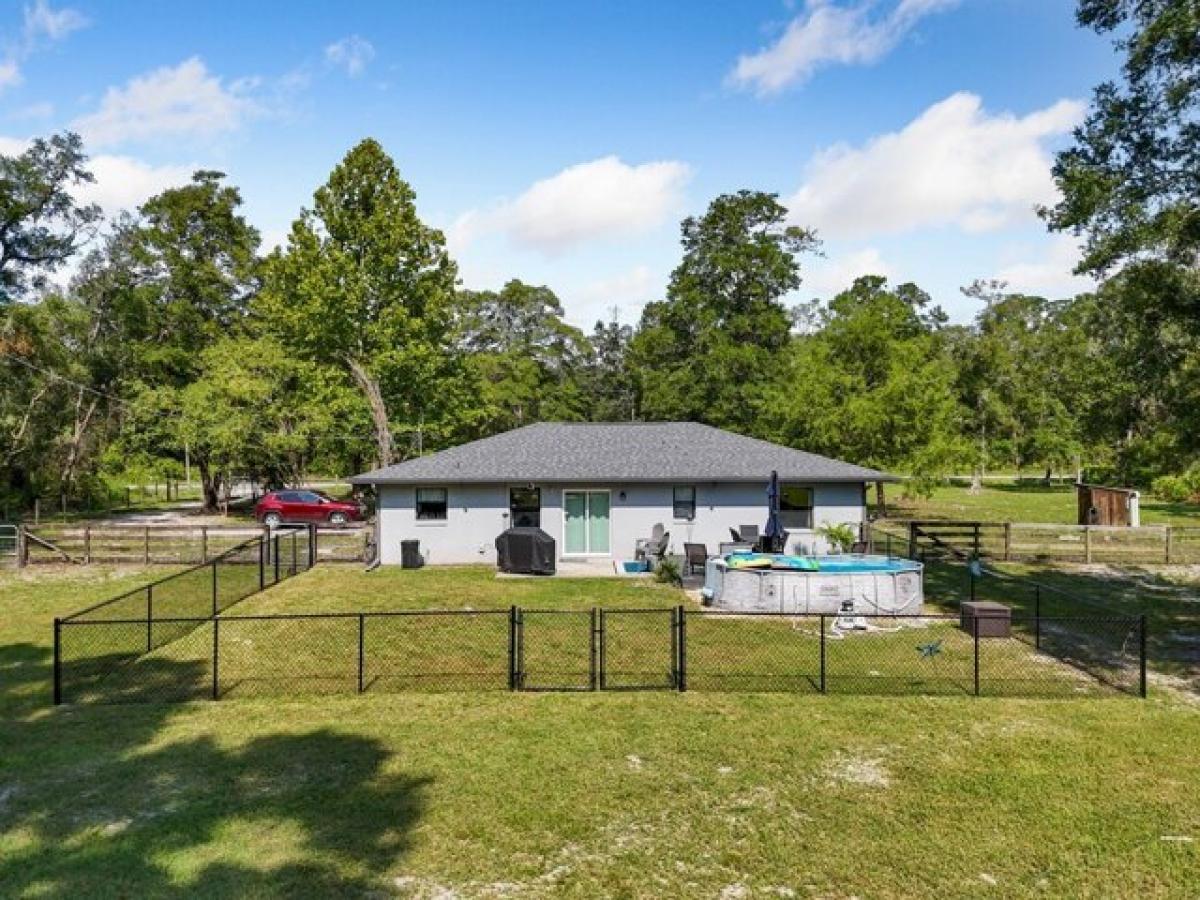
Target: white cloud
[[42, 20], [627, 292], [829, 276], [10, 73], [953, 165], [600, 199], [122, 182], [43, 24], [827, 34], [1048, 272], [184, 100], [352, 53]]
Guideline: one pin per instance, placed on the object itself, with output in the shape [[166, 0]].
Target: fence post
[[214, 587], [57, 661], [520, 649], [146, 545], [674, 648], [275, 556], [682, 648], [1167, 544], [912, 540], [295, 556], [975, 630], [149, 617], [203, 544], [1007, 541], [312, 546], [87, 545], [216, 656], [1087, 544], [261, 564], [592, 659], [512, 648], [1142, 656], [362, 627], [1037, 617], [22, 548], [822, 653]]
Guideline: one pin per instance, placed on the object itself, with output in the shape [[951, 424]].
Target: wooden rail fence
[[1033, 541], [163, 544]]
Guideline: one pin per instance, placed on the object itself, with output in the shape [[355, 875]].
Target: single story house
[[597, 488]]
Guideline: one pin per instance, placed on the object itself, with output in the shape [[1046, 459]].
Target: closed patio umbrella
[[773, 535]]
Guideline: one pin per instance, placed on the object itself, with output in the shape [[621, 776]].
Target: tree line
[[177, 340]]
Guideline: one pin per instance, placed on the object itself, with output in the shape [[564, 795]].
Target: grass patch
[[1000, 501], [614, 794]]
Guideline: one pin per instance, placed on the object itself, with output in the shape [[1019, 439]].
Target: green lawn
[[1169, 597], [620, 794], [1001, 501]]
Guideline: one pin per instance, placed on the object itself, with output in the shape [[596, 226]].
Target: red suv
[[278, 507]]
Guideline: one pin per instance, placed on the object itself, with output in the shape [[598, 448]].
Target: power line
[[63, 379]]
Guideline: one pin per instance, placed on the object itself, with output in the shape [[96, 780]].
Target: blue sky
[[562, 143]]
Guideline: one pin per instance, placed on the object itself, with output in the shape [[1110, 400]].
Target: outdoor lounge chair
[[694, 555], [641, 548]]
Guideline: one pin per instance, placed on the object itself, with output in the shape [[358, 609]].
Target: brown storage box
[[995, 619]]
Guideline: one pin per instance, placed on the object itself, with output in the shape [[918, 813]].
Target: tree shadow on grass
[[93, 803]]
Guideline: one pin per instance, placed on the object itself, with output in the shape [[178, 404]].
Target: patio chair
[[748, 533], [642, 545], [694, 555], [656, 551], [858, 547]]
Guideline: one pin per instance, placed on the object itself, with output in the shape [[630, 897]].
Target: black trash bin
[[410, 555]]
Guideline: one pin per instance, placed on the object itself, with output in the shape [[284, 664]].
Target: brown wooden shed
[[1099, 505]]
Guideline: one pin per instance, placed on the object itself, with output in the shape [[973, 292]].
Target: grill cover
[[525, 551]]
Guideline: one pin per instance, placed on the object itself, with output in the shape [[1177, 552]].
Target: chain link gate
[[596, 649], [639, 649], [556, 650]]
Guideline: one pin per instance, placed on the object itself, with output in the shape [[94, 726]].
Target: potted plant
[[840, 535]]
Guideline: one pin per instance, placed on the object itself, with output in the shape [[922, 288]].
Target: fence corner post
[[1142, 656], [975, 632], [216, 623], [22, 548], [823, 683], [362, 628], [593, 675], [57, 661], [1007, 541], [682, 647]]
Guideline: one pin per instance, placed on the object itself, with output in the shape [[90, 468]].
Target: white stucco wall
[[476, 514]]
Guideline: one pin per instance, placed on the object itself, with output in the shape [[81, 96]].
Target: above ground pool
[[876, 585]]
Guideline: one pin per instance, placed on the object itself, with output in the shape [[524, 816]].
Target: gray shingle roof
[[617, 452]]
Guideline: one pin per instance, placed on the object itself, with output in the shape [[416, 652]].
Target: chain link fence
[[228, 655], [114, 648]]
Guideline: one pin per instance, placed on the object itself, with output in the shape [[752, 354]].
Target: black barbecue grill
[[525, 551]]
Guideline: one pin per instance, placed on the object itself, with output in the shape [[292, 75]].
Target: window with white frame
[[684, 502], [431, 504]]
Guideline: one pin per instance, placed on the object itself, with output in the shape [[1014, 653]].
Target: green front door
[[586, 522]]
